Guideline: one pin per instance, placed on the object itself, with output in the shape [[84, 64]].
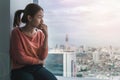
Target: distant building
[[111, 53], [96, 56]]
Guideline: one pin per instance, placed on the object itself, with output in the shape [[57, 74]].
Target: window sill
[[75, 78]]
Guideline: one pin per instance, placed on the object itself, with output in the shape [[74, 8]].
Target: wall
[[15, 5], [4, 39], [7, 9]]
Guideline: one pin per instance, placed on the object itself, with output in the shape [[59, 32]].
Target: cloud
[[75, 3], [94, 22]]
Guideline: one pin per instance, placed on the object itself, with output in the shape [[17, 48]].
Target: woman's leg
[[21, 75], [44, 74]]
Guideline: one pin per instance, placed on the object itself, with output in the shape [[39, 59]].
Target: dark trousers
[[32, 72]]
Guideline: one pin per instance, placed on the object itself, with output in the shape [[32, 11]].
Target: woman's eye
[[40, 16]]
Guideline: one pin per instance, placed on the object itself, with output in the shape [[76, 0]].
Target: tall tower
[[66, 39], [66, 43], [111, 53]]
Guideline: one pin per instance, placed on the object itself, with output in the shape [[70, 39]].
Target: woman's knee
[[43, 73]]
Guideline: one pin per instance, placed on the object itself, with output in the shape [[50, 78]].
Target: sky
[[86, 22]]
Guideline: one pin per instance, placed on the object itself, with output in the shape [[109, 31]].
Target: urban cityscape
[[83, 61], [91, 48]]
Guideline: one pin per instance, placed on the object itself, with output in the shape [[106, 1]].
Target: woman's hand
[[43, 27]]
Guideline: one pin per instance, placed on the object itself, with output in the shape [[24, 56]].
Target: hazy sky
[[87, 22]]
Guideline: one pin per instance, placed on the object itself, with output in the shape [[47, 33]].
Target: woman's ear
[[29, 18]]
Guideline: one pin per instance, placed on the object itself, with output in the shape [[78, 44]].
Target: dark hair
[[31, 9]]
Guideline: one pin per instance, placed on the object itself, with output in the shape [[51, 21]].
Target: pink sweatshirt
[[25, 50]]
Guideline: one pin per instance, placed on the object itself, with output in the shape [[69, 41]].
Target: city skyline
[[87, 22]]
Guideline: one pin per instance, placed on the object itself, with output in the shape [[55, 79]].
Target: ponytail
[[17, 18], [31, 9]]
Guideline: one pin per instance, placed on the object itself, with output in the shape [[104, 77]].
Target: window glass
[[83, 37]]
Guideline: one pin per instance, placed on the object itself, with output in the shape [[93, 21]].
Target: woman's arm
[[44, 50], [44, 41], [17, 51]]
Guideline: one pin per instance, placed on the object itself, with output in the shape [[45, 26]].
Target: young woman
[[29, 45]]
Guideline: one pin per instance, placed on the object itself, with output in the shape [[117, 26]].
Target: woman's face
[[36, 20]]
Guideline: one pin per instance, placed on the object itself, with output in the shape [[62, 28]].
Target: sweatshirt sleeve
[[43, 51], [17, 51]]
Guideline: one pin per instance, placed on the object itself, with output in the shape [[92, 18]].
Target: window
[[83, 38], [35, 1]]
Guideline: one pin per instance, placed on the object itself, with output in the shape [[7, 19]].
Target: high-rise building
[[69, 64], [62, 63]]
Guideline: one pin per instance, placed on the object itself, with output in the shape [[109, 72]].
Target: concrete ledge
[[75, 78]]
